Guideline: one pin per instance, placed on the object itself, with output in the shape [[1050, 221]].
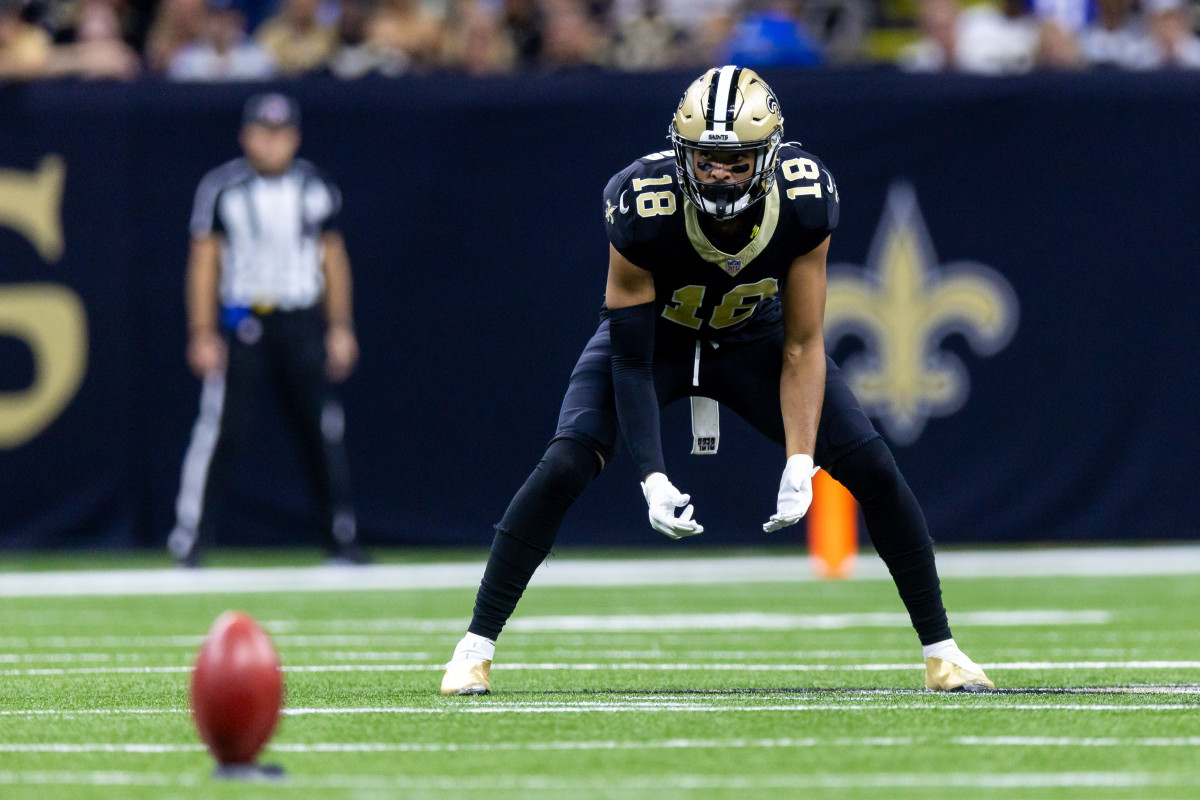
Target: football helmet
[[728, 110]]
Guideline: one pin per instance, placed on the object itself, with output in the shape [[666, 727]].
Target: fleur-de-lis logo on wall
[[30, 204], [903, 305], [49, 318]]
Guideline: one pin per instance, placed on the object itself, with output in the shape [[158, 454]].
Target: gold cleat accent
[[946, 676], [466, 677]]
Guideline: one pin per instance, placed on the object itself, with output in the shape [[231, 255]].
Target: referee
[[269, 311]]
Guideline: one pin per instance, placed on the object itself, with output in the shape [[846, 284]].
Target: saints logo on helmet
[[728, 114]]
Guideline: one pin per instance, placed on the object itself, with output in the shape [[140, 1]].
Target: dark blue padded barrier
[[473, 220]]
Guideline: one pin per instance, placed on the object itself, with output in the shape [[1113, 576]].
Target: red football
[[237, 689]]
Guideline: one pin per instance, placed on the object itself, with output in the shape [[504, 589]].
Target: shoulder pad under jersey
[[639, 199], [808, 187]]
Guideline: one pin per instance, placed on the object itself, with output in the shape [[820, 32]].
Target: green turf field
[[734, 689]]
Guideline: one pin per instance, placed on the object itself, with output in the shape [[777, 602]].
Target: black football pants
[[745, 377], [277, 362]]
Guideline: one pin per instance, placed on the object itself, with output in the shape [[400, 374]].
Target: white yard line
[[68, 713], [486, 783], [1071, 741], [583, 623], [669, 623], [191, 642], [626, 666], [1023, 563], [609, 744], [755, 621], [97, 747], [658, 624], [517, 654], [658, 707], [566, 654], [787, 704]]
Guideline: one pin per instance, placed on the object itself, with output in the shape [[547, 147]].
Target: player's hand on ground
[[341, 352], [795, 493], [663, 499], [206, 353]]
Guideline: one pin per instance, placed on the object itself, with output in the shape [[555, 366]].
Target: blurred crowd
[[224, 40]]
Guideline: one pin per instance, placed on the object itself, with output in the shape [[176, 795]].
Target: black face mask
[[722, 195]]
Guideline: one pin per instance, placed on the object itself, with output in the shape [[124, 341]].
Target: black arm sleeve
[[631, 330]]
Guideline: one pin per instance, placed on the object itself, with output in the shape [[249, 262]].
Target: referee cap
[[272, 109]]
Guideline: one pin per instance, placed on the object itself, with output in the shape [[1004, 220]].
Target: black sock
[[917, 581], [528, 529], [899, 532]]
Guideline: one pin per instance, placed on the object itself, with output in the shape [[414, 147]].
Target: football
[[237, 689]]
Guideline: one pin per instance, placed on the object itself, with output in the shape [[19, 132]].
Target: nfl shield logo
[[733, 266]]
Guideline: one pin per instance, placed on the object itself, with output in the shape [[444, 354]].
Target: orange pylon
[[832, 528]]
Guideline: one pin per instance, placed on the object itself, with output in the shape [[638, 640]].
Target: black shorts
[[743, 376]]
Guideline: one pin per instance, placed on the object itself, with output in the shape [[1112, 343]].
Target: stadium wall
[[1013, 288]]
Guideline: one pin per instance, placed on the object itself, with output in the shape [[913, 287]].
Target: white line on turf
[[569, 708], [514, 654], [745, 621], [359, 632], [739, 621], [625, 666], [67, 713], [192, 642], [650, 744], [1070, 741], [789, 705], [63, 747], [486, 783], [1089, 562], [402, 656]]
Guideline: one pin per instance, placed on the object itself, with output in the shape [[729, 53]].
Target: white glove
[[663, 499], [795, 493]]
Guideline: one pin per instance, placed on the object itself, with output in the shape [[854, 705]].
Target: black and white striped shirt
[[272, 228]]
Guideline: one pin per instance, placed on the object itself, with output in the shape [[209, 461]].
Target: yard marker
[[832, 528]]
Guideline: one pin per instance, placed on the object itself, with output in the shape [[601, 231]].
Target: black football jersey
[[700, 290]]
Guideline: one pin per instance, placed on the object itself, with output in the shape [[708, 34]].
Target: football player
[[716, 289]]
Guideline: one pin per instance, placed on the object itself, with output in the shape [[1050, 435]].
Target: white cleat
[[949, 669], [943, 675], [469, 669], [467, 677]]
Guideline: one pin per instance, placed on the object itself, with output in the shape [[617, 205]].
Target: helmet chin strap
[[723, 205]]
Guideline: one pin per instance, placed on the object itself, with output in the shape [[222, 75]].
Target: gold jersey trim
[[733, 263]]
